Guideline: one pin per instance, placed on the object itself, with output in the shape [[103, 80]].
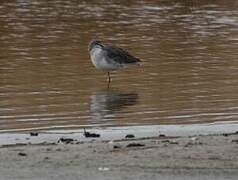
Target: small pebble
[[33, 134], [130, 136], [92, 135], [235, 140], [225, 134], [103, 169], [66, 140], [135, 145], [194, 138], [22, 154], [113, 145], [116, 147]]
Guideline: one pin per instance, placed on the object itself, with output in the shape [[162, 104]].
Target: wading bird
[[109, 58]]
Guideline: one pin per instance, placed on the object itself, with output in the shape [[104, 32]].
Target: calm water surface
[[189, 51]]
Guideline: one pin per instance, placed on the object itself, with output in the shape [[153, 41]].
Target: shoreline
[[117, 133], [189, 156]]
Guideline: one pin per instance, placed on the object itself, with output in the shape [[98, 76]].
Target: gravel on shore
[[192, 157]]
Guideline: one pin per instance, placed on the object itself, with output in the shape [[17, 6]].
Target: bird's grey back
[[120, 55], [114, 53]]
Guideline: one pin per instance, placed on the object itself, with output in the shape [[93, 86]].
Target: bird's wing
[[120, 56]]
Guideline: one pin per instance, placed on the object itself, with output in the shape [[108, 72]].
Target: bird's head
[[93, 43]]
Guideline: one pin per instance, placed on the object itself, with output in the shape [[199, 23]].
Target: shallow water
[[189, 72]]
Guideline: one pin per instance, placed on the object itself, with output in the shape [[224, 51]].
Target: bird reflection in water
[[104, 104]]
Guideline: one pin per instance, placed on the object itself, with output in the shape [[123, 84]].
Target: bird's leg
[[108, 85], [109, 78]]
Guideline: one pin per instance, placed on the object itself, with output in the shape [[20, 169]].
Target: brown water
[[189, 51]]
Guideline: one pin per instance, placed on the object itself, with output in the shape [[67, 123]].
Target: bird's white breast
[[98, 59]]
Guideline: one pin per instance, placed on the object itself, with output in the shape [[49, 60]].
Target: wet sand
[[159, 157]]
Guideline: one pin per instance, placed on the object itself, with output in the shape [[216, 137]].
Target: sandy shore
[[161, 157]]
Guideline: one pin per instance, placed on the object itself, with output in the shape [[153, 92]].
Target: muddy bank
[[161, 157]]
